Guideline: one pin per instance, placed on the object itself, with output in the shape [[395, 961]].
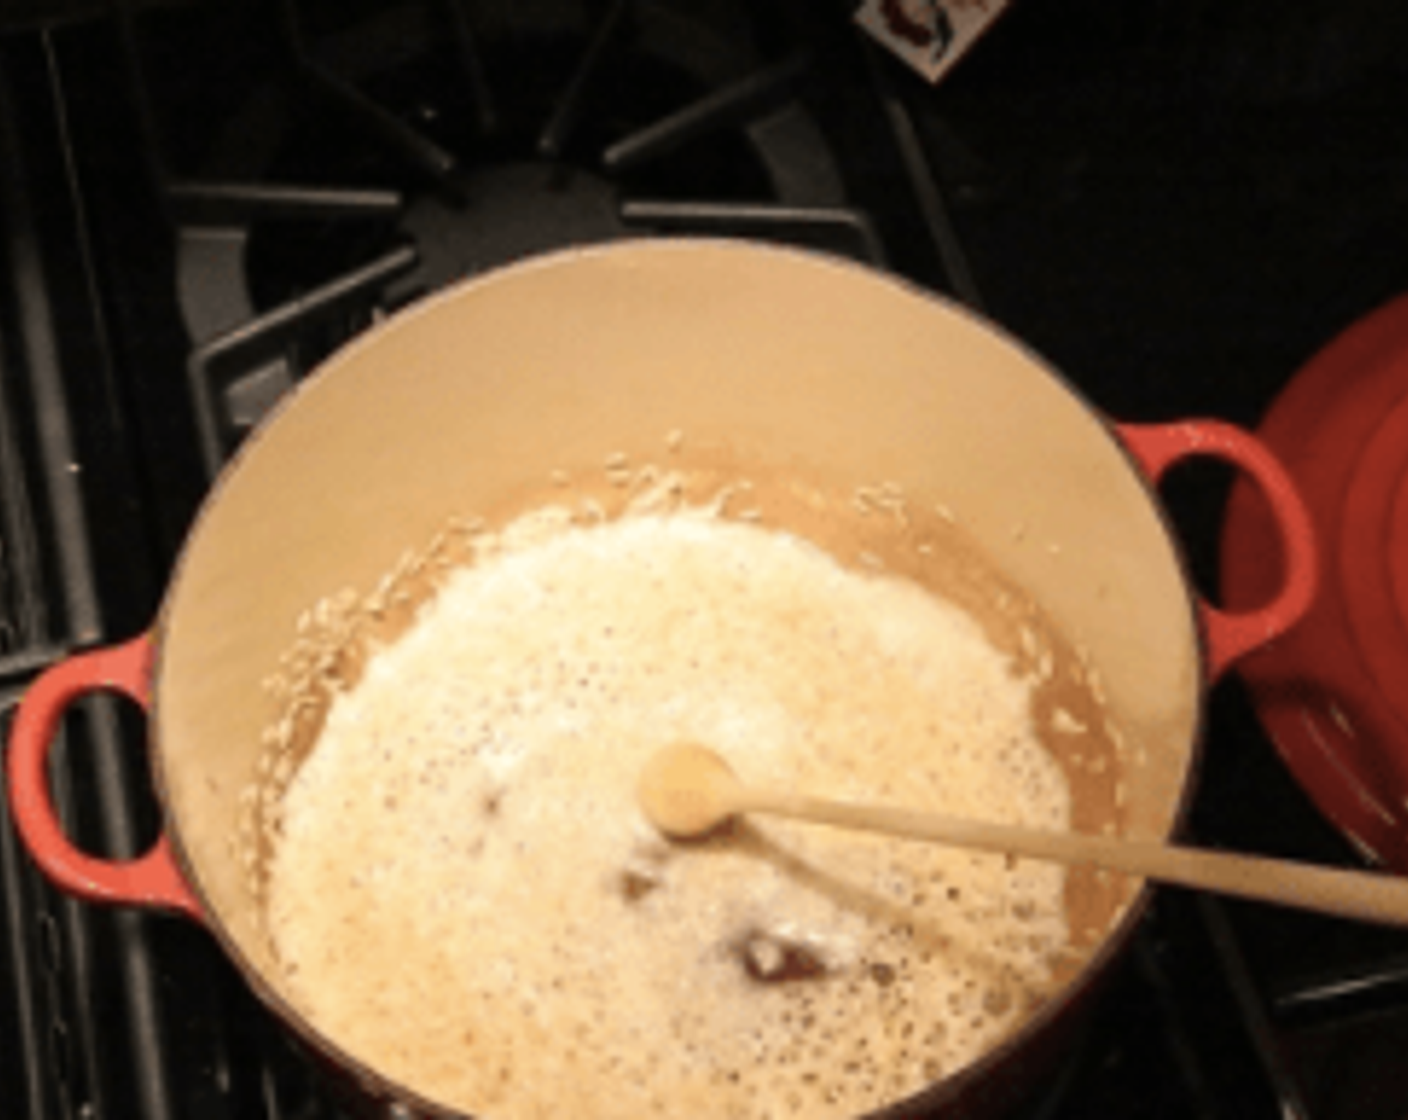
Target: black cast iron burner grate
[[567, 131]]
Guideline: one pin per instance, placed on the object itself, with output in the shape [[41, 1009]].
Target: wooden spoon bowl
[[687, 791]]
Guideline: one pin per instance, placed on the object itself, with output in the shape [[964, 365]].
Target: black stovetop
[[1176, 204]]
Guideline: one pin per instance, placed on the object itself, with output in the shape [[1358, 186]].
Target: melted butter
[[502, 893]]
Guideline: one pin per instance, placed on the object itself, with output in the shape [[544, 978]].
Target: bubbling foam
[[466, 896]]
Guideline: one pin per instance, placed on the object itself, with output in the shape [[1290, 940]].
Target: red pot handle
[[152, 879], [1229, 636]]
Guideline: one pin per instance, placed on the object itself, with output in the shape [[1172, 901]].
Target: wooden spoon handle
[[1350, 894]]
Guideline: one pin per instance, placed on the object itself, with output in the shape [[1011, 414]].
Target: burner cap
[[513, 210], [1333, 693]]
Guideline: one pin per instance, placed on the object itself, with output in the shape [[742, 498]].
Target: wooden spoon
[[687, 791]]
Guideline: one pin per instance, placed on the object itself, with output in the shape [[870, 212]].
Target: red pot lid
[[1333, 692]]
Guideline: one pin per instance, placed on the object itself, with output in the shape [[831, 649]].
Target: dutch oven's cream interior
[[798, 360]]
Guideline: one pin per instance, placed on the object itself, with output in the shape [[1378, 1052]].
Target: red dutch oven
[[1333, 696], [791, 360]]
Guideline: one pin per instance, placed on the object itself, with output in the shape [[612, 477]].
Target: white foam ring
[[466, 896]]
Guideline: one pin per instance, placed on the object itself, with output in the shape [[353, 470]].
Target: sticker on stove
[[930, 35]]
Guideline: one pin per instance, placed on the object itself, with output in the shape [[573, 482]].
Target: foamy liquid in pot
[[465, 895]]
